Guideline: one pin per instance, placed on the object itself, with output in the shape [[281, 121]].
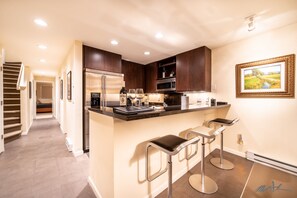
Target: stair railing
[[21, 84]]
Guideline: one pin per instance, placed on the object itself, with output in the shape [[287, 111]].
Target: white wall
[[268, 125], [27, 109], [2, 57], [71, 110]]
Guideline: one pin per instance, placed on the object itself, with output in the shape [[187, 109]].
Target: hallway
[[39, 165]]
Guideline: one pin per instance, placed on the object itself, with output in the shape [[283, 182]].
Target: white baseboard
[[94, 188], [27, 131], [78, 153]]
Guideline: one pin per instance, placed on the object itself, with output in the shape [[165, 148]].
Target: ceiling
[[185, 24]]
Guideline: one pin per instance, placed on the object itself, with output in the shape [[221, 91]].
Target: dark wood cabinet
[[94, 58], [193, 70], [151, 78], [134, 75]]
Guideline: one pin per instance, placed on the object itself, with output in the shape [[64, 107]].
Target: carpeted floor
[[39, 165]]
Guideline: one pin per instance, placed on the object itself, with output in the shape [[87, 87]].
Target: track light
[[251, 24]]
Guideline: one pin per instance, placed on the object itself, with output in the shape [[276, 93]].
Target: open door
[[1, 101]]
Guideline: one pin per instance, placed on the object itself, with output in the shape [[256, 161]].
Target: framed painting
[[274, 77], [61, 89], [30, 89], [69, 85]]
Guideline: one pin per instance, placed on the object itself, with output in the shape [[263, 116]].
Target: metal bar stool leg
[[169, 193], [201, 182], [221, 162]]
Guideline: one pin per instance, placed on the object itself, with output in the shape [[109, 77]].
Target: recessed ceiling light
[[42, 46], [159, 35], [42, 60], [147, 53], [40, 22], [114, 42]]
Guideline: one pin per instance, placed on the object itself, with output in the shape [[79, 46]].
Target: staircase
[[12, 101]]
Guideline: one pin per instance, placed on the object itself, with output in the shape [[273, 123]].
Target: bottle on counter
[[164, 73], [123, 97]]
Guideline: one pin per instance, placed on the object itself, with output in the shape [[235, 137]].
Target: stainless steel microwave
[[167, 84]]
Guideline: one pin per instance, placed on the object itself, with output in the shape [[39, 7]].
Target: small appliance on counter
[[95, 100], [185, 102], [172, 101]]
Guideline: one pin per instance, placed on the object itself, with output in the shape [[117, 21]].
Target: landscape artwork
[[268, 78], [263, 78]]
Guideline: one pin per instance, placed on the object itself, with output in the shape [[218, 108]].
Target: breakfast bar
[[117, 148]]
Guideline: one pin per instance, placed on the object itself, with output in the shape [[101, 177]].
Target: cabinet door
[[183, 62], [101, 60], [193, 70], [151, 78], [134, 75]]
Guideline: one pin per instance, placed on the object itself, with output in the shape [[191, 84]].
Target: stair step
[[11, 70], [11, 93], [9, 74], [11, 98], [9, 83], [13, 63], [11, 118], [11, 105], [12, 125], [9, 88], [10, 78], [10, 134], [14, 67], [12, 111]]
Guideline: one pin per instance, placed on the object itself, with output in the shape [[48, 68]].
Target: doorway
[[44, 100]]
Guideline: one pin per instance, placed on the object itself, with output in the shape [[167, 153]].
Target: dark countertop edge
[[155, 113]]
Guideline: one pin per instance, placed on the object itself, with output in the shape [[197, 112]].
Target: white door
[[1, 101]]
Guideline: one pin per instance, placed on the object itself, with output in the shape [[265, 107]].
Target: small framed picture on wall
[[69, 85], [30, 89], [61, 89]]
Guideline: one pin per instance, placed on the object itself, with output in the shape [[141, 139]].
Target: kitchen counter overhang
[[155, 113]]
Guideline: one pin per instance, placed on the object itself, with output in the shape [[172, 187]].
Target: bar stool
[[221, 162], [171, 145], [201, 182]]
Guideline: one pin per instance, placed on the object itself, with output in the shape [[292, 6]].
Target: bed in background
[[44, 106]]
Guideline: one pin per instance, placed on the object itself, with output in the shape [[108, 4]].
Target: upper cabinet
[[134, 75], [193, 70], [151, 78], [101, 60]]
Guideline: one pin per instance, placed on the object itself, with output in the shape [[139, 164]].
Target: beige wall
[[71, 110], [27, 107], [268, 125], [1, 99]]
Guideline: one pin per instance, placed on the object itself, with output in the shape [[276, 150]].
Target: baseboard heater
[[271, 162]]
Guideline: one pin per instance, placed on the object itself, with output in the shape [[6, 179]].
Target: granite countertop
[[155, 113]]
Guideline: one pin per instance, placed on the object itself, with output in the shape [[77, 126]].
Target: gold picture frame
[[269, 78]]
